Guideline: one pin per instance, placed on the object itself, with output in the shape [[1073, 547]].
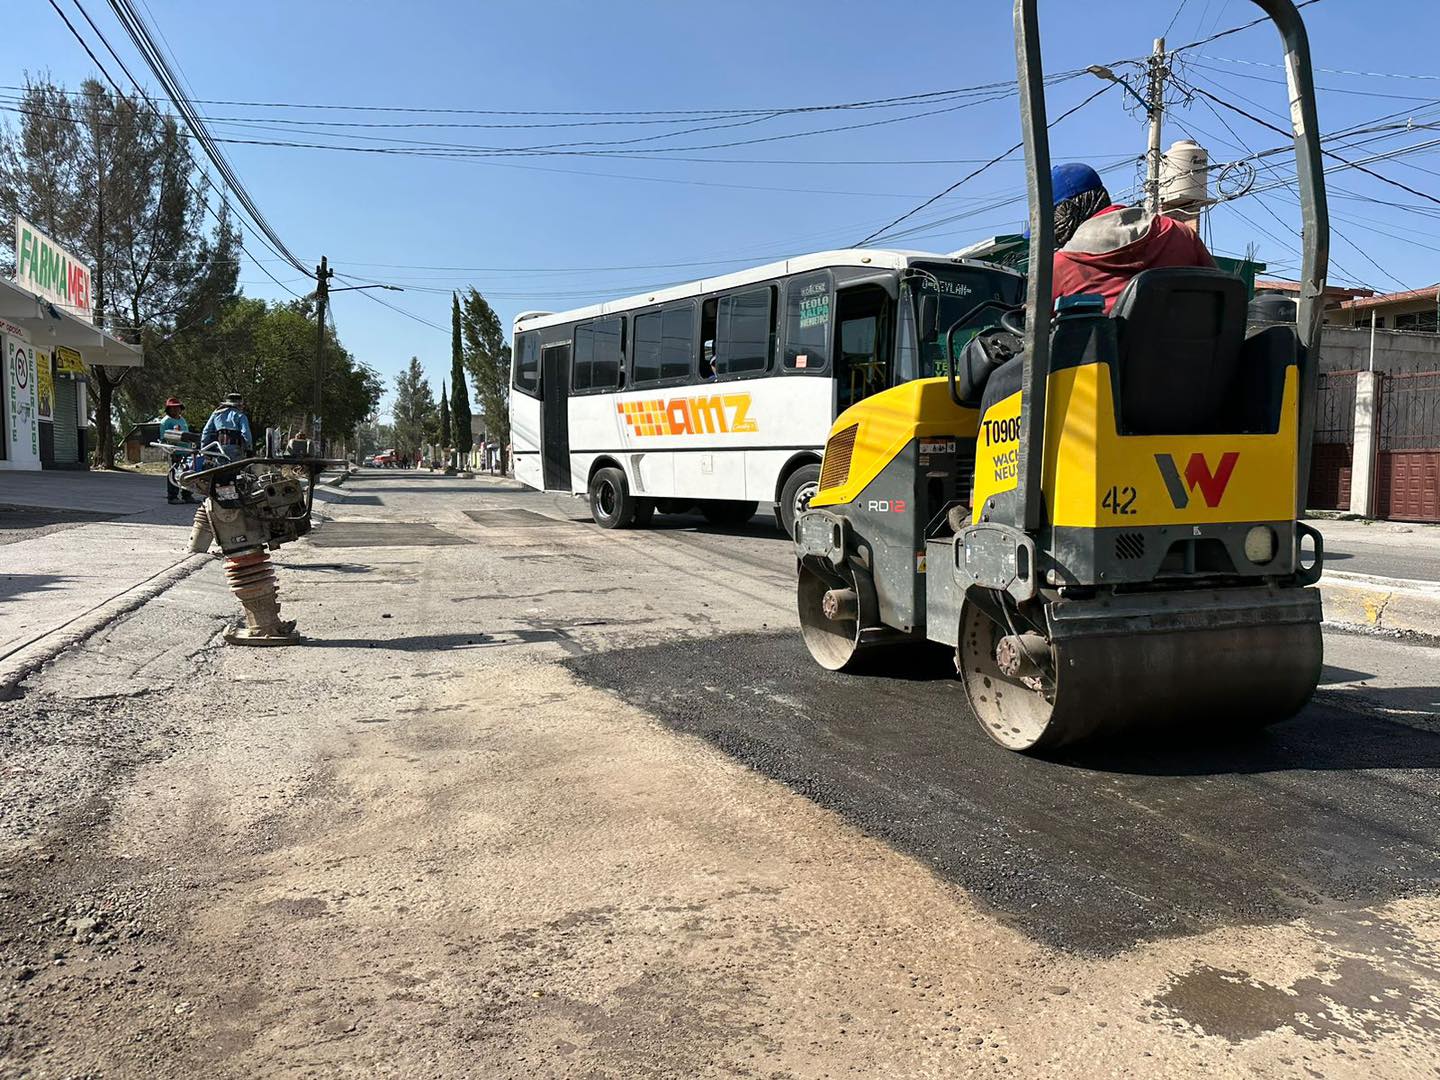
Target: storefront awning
[[49, 325]]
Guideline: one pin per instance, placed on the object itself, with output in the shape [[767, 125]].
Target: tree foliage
[[487, 357], [109, 178], [265, 352], [459, 389], [112, 181], [371, 436], [414, 409]]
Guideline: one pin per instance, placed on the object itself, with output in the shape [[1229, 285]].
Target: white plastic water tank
[[1184, 175]]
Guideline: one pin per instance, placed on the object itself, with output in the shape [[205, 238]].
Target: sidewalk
[[100, 545], [1381, 575]]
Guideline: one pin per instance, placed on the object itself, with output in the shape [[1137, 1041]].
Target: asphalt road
[[535, 799], [1391, 556], [1094, 851]]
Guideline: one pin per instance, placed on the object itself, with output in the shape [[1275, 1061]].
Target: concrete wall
[[1345, 349]]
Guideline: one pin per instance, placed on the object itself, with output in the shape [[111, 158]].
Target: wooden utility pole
[[323, 273]]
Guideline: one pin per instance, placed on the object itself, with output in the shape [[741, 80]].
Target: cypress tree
[[459, 391]]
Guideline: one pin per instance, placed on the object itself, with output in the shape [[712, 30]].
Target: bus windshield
[[958, 291]]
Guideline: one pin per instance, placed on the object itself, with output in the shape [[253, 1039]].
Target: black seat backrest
[[1180, 332]]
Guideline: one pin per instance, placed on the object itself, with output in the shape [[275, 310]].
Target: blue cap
[[1071, 179]]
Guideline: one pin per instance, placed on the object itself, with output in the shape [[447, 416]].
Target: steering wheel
[[1013, 320]]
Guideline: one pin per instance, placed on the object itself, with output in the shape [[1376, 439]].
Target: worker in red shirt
[[1100, 245]]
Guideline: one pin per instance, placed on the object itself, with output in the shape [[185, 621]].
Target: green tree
[[487, 357], [460, 423], [414, 408], [265, 352], [371, 436], [111, 179]]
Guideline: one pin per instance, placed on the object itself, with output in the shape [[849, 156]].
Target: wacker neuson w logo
[[1211, 485]]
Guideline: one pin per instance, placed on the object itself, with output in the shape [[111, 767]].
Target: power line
[[971, 175], [139, 34], [1171, 24], [1328, 153], [1327, 71], [896, 101], [1233, 30], [1327, 89], [158, 114], [108, 78], [396, 308]]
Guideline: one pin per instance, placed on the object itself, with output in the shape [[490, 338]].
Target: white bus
[[719, 395]]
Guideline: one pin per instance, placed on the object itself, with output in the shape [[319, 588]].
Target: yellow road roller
[[1098, 511]]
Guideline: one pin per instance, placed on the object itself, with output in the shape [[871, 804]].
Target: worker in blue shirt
[[230, 427]]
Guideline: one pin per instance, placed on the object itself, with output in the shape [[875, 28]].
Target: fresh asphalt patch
[[1091, 852], [28, 522], [513, 518], [373, 534]]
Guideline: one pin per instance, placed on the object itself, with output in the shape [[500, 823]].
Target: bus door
[[555, 419], [862, 344]]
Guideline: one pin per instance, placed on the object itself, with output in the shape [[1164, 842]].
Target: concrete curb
[[1379, 603], [35, 654]]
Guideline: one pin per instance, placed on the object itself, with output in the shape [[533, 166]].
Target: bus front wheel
[[611, 503], [800, 487]]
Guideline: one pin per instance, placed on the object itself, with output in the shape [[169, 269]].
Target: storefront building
[[48, 341]]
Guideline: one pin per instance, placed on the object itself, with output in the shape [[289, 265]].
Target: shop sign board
[[23, 428], [49, 271], [69, 364], [44, 387]]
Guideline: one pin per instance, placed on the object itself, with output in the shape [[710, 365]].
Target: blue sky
[[558, 231]]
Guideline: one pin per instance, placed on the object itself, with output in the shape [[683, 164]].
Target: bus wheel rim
[[803, 497], [608, 498]]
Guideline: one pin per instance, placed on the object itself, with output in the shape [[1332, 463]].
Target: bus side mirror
[[929, 316]]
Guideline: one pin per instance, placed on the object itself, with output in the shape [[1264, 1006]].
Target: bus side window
[[744, 332], [677, 341], [527, 364], [596, 358], [581, 359], [645, 352], [808, 310], [609, 354], [664, 346]]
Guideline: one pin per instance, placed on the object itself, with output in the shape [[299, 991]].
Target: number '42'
[[1119, 500]]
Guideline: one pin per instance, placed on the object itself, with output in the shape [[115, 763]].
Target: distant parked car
[[385, 459], [369, 459]]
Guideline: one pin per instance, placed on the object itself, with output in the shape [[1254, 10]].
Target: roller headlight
[[1260, 543]]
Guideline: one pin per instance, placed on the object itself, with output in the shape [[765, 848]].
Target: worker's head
[[1079, 195], [234, 401], [174, 406]]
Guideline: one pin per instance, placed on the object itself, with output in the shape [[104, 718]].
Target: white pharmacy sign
[[48, 270], [18, 383]]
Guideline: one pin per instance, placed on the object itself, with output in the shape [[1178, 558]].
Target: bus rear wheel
[[611, 503], [800, 487], [728, 511]]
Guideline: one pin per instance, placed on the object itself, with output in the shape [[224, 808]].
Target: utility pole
[[1155, 109], [323, 273]]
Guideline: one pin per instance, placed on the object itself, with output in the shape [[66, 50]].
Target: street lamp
[[1100, 71], [1154, 106]]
